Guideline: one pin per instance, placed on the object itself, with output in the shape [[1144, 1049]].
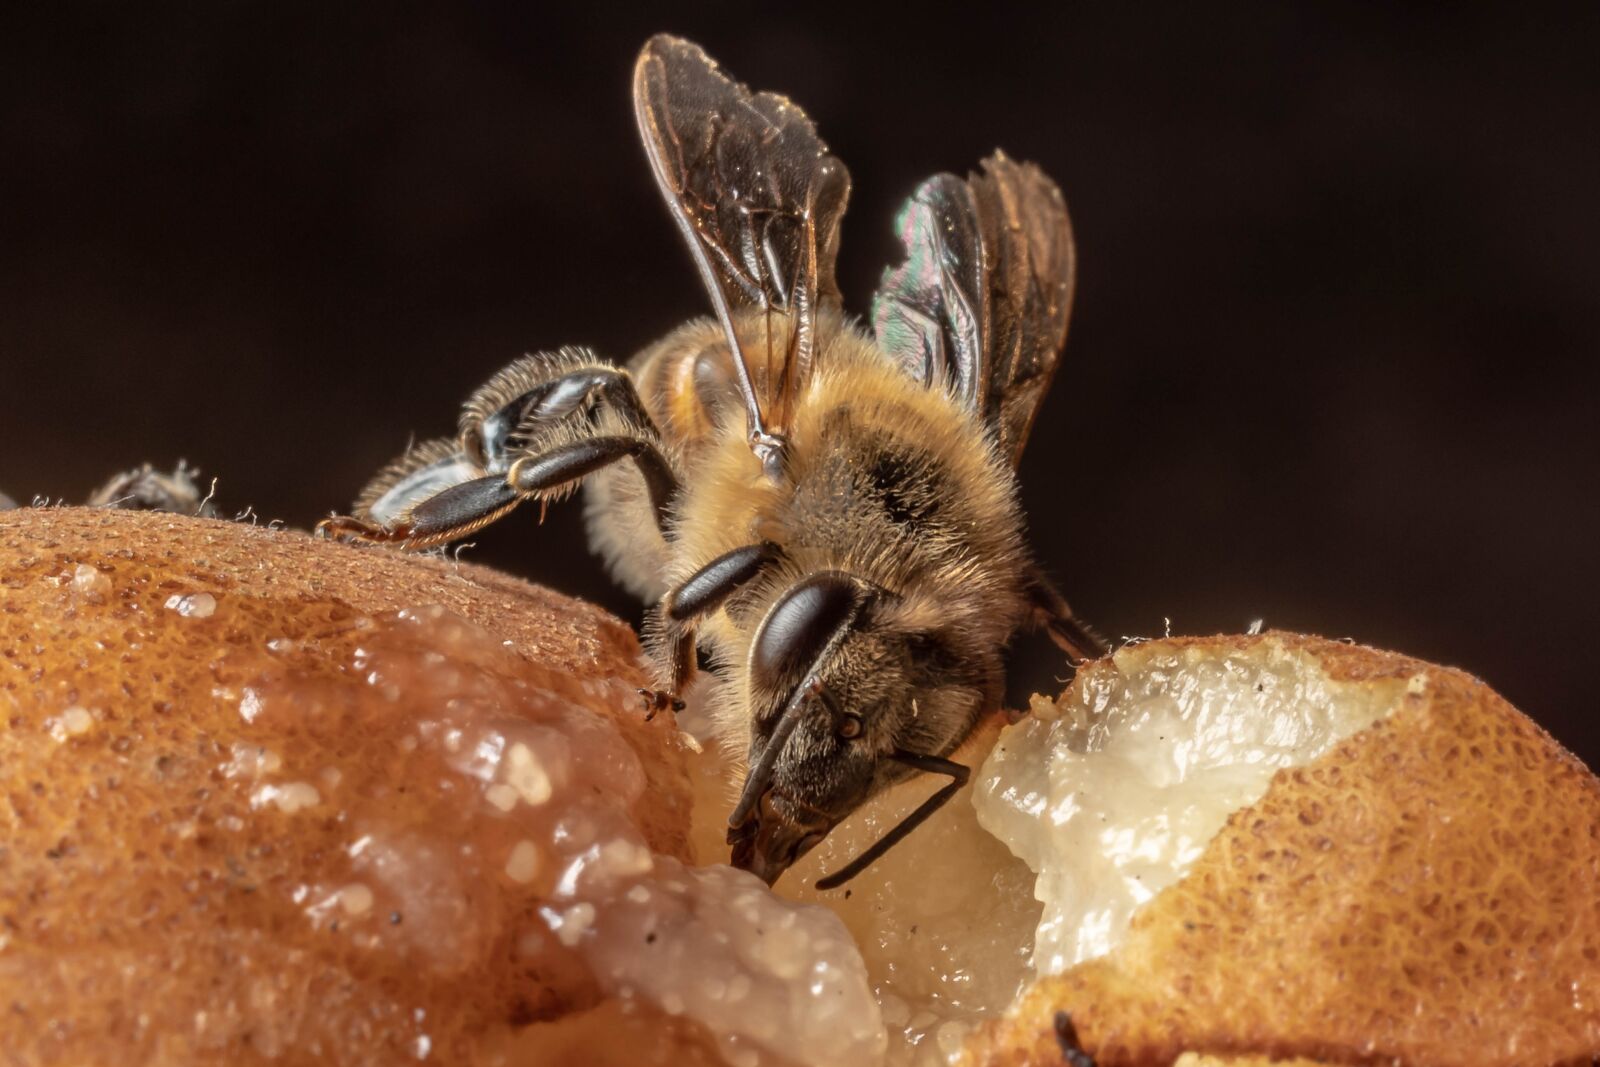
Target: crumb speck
[[522, 865], [501, 796], [90, 584], [289, 798], [74, 722], [355, 899]]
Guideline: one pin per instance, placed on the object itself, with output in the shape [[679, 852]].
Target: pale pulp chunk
[[1114, 792], [766, 977]]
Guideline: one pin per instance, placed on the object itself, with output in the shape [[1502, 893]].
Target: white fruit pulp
[[1111, 794]]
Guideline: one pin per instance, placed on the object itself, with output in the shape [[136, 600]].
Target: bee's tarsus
[[349, 529], [658, 700], [1054, 615]]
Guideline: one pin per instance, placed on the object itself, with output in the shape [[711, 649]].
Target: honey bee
[[829, 513], [146, 489]]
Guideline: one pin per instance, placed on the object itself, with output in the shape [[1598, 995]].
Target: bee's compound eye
[[850, 727], [798, 628]]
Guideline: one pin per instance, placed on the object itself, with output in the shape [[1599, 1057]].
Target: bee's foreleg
[[707, 588], [701, 593], [1052, 614], [680, 656]]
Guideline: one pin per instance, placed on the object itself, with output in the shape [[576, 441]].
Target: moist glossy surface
[[1425, 891], [245, 820], [267, 802]]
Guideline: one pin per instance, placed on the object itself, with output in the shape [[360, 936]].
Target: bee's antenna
[[933, 764]]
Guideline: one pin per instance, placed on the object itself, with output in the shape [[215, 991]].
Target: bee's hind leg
[[568, 463], [426, 480], [449, 514], [462, 508], [540, 390]]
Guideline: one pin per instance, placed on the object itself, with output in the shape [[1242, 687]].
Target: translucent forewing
[[758, 199]]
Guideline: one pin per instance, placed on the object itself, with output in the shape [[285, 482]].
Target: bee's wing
[[981, 302], [758, 198]]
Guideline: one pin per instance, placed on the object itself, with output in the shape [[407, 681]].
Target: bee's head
[[845, 701]]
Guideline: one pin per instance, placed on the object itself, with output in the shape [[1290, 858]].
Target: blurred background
[[1332, 363]]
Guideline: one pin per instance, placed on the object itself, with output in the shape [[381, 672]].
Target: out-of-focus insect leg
[[1072, 1051], [1052, 614], [146, 489]]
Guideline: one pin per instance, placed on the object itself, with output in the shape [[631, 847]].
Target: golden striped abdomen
[[688, 384]]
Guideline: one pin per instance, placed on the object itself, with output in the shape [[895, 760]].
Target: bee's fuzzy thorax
[[885, 479]]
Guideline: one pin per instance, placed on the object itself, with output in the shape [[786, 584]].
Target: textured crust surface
[[1428, 892], [198, 733]]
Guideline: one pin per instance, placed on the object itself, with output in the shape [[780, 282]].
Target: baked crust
[[1427, 892], [157, 906]]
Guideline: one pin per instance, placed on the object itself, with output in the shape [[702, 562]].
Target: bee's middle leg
[[444, 489], [1052, 614]]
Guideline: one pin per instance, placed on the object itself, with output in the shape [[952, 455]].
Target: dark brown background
[[1332, 365]]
